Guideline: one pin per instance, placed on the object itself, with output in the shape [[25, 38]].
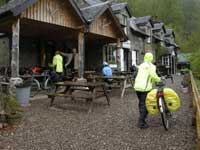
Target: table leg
[[105, 93], [52, 100], [124, 88], [91, 102], [69, 92]]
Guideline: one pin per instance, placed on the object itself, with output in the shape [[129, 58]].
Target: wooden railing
[[196, 106]]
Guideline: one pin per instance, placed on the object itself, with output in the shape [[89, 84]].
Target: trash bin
[[23, 93]]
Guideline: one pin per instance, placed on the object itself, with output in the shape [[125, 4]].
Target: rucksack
[[134, 71]]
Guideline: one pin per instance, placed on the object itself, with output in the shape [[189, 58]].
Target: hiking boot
[[144, 126]]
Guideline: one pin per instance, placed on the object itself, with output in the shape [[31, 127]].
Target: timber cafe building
[[32, 30]]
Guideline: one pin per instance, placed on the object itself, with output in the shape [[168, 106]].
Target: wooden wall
[[58, 12], [4, 51], [105, 26]]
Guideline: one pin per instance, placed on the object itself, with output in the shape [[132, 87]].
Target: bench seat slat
[[71, 96]]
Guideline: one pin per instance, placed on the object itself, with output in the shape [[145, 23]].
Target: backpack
[[134, 71]]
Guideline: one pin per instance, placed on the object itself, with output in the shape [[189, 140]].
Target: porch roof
[[92, 12], [15, 7]]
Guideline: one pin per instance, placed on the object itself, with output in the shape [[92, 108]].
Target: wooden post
[[15, 49], [81, 52], [118, 54], [43, 54]]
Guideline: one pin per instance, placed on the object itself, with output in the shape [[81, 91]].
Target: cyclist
[[58, 65], [143, 84]]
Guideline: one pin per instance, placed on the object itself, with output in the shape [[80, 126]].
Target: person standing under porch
[[58, 65]]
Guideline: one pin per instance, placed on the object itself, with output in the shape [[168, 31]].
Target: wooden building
[[103, 25], [37, 28], [112, 52]]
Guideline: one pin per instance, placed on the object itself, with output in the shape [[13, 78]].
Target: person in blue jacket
[[107, 72]]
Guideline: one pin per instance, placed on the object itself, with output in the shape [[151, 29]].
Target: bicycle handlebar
[[162, 83]]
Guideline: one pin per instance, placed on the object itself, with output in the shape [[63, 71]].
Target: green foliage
[[194, 60], [3, 2], [197, 81], [11, 108]]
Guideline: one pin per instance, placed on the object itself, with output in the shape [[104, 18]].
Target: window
[[165, 60], [110, 54], [124, 17]]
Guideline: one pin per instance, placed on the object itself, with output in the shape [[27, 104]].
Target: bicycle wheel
[[164, 114], [35, 87], [49, 85]]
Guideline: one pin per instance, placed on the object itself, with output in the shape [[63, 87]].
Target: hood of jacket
[[148, 57]]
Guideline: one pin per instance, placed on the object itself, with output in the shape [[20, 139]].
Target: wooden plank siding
[[58, 12], [104, 26]]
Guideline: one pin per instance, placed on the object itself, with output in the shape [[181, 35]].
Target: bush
[[12, 110], [185, 71]]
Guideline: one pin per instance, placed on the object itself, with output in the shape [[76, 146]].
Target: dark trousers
[[57, 77], [142, 107]]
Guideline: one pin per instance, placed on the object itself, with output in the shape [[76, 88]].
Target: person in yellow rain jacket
[[58, 65], [143, 84]]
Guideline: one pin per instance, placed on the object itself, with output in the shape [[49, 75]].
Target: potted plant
[[12, 111]]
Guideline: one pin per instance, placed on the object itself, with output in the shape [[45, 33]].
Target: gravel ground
[[107, 128]]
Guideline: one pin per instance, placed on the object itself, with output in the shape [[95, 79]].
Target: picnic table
[[94, 90], [118, 81]]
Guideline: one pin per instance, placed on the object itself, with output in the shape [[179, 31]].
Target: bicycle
[[161, 104], [37, 76], [44, 81]]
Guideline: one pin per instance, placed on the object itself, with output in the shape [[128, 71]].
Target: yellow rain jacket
[[146, 74], [171, 98], [58, 63]]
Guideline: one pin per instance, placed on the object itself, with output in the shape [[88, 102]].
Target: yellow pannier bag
[[171, 98], [151, 102]]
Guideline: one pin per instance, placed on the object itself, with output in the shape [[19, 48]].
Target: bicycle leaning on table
[[42, 82]]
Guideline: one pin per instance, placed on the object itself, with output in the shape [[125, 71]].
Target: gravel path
[[69, 127]]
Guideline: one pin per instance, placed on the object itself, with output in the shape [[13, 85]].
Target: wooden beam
[[81, 52], [118, 54], [15, 48]]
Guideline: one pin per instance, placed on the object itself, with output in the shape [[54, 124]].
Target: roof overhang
[[16, 7]]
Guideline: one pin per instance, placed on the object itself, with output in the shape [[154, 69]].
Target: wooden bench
[[120, 81], [91, 88]]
